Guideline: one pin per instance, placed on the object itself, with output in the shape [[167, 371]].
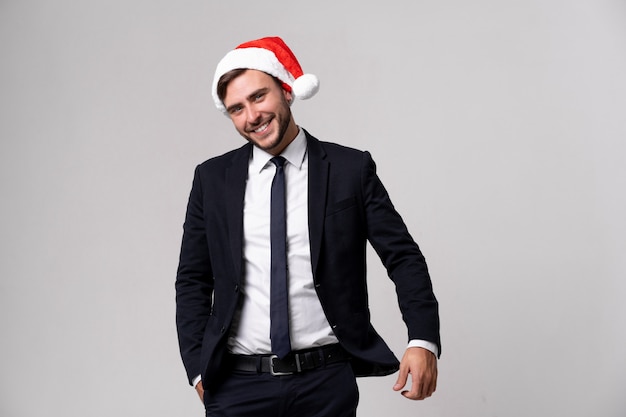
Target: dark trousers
[[329, 391]]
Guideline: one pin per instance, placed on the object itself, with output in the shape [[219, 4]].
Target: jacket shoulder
[[335, 150]]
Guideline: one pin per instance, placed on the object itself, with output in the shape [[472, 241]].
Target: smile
[[262, 127]]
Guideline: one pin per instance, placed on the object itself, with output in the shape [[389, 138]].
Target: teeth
[[261, 128]]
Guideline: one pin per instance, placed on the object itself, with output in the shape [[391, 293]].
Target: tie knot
[[279, 161]]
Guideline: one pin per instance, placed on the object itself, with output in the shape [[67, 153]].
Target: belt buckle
[[277, 373]]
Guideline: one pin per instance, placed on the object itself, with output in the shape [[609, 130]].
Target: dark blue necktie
[[279, 308]]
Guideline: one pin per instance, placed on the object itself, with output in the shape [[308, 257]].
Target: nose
[[252, 115]]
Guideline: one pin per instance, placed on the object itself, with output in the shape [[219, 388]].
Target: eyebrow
[[249, 98]]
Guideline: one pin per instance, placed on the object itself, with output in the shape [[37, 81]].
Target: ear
[[288, 96]]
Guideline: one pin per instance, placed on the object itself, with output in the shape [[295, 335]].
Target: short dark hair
[[225, 79]]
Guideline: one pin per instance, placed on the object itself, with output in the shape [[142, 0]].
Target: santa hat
[[272, 56]]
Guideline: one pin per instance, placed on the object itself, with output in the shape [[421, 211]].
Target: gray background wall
[[498, 128]]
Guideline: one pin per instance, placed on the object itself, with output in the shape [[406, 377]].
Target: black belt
[[294, 362]]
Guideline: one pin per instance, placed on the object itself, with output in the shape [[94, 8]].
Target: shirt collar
[[293, 153]]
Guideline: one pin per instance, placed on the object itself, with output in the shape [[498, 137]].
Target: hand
[[422, 365], [200, 391]]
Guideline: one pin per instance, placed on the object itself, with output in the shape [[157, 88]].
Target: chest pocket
[[340, 206]]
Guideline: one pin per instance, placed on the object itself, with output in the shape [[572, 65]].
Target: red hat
[[272, 56]]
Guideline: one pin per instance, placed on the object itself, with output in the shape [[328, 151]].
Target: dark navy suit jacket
[[348, 206]]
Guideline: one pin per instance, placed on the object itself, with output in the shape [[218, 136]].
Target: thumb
[[402, 378]]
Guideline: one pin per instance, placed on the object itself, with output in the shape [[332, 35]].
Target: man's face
[[259, 109]]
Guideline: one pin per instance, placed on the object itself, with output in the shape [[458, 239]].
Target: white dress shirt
[[307, 322]]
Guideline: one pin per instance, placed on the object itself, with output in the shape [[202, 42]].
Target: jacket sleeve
[[194, 283], [401, 256]]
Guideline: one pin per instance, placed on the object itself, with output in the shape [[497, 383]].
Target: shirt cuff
[[424, 344], [195, 381]]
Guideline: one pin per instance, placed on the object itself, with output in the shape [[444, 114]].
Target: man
[[272, 304]]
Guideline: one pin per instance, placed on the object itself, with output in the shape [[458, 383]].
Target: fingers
[[416, 388], [422, 387], [422, 366]]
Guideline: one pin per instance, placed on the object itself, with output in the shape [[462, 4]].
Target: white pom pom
[[306, 86]]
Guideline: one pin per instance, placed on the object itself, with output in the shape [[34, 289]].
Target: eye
[[235, 109], [259, 97]]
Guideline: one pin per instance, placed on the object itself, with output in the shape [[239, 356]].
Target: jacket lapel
[[236, 176], [318, 187]]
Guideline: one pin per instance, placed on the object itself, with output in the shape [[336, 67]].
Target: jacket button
[[223, 329], [236, 287]]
